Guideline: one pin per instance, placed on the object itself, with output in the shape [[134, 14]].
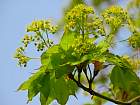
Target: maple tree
[[82, 53]]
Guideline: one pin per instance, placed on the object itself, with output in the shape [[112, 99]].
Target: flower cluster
[[77, 16], [40, 30], [115, 16], [40, 27], [82, 19], [22, 59], [27, 39], [43, 25], [82, 46], [79, 12], [134, 40], [95, 26], [39, 44]]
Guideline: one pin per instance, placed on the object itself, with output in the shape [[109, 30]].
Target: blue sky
[[15, 15]]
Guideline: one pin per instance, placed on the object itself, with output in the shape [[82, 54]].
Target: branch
[[91, 79], [92, 92], [89, 71], [79, 75], [134, 99], [85, 72]]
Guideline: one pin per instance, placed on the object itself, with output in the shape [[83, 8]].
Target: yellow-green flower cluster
[[40, 46], [83, 20], [77, 16], [36, 39], [41, 25], [134, 40], [82, 46], [22, 59], [95, 27], [40, 30], [115, 16], [27, 39]]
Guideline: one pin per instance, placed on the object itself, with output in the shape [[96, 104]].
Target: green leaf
[[45, 57], [41, 84], [38, 82], [53, 58], [67, 40], [25, 85], [59, 72], [61, 89], [33, 90], [72, 87], [44, 89], [93, 55], [42, 99], [103, 46], [124, 78]]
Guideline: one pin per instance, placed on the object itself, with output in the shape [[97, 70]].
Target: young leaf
[[45, 89], [67, 40], [61, 89], [54, 59], [59, 72], [41, 84], [25, 85], [45, 57], [33, 90], [123, 79]]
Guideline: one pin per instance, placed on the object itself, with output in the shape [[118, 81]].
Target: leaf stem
[[42, 39], [48, 38]]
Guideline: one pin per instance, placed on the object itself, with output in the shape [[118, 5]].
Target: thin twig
[[34, 58], [85, 72], [90, 71], [43, 39], [48, 38], [79, 76], [74, 72]]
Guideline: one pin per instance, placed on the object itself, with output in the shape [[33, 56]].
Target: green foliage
[[124, 80], [67, 40], [84, 41], [35, 83]]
